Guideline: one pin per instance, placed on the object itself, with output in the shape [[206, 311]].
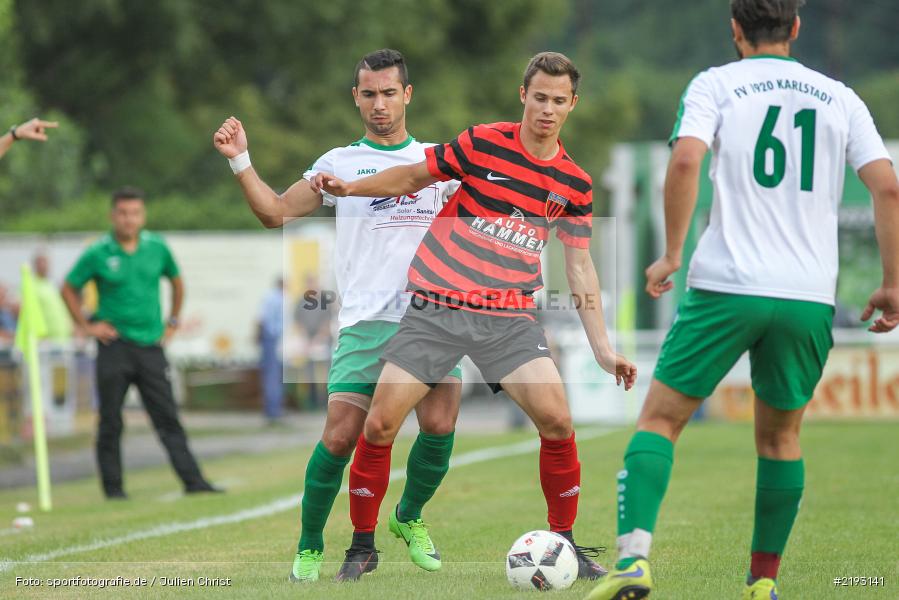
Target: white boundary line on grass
[[280, 505]]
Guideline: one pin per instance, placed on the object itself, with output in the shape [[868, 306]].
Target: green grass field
[[847, 525]]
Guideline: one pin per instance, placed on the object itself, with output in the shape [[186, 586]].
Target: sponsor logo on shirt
[[366, 171], [382, 203], [510, 233], [412, 210]]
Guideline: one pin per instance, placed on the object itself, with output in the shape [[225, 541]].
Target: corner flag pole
[[32, 326]]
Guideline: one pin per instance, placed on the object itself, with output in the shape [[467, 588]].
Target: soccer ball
[[541, 560]]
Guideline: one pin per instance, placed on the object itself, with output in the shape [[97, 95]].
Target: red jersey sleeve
[[449, 161], [575, 227]]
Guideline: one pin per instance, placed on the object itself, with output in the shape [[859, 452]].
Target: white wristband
[[240, 162]]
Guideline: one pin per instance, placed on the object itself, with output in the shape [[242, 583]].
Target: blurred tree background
[[139, 87]]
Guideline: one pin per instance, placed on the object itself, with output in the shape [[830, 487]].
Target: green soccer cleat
[[762, 589], [306, 565], [415, 534], [632, 583]]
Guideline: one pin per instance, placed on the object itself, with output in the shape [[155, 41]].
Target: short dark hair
[[127, 193], [552, 63], [765, 21], [382, 59]]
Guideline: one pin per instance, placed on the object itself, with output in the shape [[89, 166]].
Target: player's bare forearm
[[880, 179], [681, 189], [272, 209], [177, 297], [72, 299], [5, 142], [395, 181], [35, 129], [261, 199], [584, 284]]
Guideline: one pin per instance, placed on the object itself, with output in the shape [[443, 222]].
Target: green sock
[[641, 487], [428, 463], [778, 491], [324, 474]]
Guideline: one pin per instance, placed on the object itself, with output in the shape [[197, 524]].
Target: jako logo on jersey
[[509, 230], [366, 171], [517, 214], [572, 492], [364, 492]]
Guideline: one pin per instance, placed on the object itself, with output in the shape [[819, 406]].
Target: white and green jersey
[[780, 135], [377, 237]]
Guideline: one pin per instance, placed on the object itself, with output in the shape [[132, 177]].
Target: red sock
[[369, 476], [560, 477], [764, 564]]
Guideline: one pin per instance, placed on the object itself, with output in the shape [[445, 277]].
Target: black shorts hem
[[520, 359], [409, 368]]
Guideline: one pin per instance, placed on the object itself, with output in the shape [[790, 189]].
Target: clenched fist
[[230, 139]]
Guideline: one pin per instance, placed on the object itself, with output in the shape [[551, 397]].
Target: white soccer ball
[[541, 560]]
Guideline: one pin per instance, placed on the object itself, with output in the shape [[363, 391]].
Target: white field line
[[276, 506]]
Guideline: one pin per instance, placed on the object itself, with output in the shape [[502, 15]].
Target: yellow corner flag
[[30, 327]]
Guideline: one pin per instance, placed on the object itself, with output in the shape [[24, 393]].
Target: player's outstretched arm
[[584, 286], [681, 188], [272, 209], [880, 179], [35, 129], [395, 181]]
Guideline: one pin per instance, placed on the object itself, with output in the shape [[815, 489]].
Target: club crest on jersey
[[555, 206]]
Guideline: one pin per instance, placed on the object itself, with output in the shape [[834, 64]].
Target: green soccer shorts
[[356, 364], [788, 342]]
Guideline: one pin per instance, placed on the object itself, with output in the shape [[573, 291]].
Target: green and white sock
[[641, 487]]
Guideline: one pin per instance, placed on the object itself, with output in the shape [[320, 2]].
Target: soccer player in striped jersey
[[376, 238], [762, 279], [474, 276]]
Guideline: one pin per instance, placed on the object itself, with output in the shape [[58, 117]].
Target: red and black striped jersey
[[483, 250]]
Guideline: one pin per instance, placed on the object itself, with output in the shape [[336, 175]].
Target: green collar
[[376, 146], [116, 246], [777, 56]]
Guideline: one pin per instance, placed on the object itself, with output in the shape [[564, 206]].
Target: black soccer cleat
[[357, 563], [587, 568]]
